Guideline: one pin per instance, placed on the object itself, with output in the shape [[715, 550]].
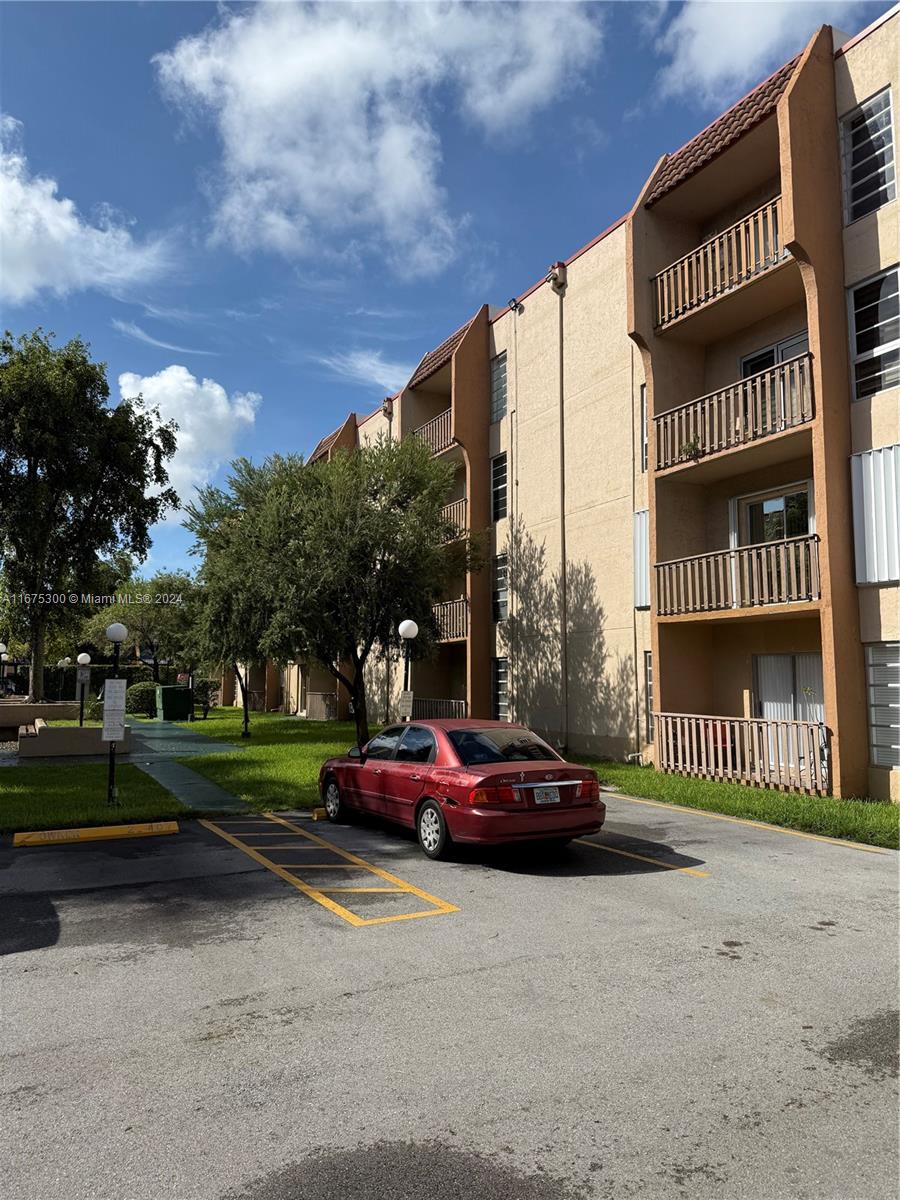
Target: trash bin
[[174, 703]]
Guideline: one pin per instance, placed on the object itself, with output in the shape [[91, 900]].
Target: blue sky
[[262, 216]]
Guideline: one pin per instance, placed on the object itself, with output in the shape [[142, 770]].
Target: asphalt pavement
[[686, 1006]]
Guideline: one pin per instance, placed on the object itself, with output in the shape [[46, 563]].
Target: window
[[875, 335], [883, 680], [500, 746], [867, 151], [500, 689], [384, 744], [644, 439], [648, 695], [498, 487], [418, 746], [501, 588], [775, 516], [642, 559], [498, 387], [875, 476], [763, 360]]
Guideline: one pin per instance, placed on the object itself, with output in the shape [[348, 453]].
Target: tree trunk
[[156, 669], [244, 700], [360, 709], [36, 668]]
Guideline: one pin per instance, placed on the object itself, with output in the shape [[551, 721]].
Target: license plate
[[546, 795]]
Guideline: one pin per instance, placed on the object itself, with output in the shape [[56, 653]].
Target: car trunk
[[549, 785]]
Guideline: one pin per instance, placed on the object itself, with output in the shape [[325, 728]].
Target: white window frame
[[777, 347], [846, 150], [641, 555], [779, 489], [851, 322]]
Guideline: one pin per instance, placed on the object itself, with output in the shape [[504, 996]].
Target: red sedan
[[465, 781]]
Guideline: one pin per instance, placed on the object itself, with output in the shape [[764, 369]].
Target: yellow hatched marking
[[353, 862], [657, 862]]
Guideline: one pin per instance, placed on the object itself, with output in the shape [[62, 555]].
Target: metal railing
[[766, 573], [455, 514], [437, 710], [768, 402], [791, 755], [745, 249], [436, 432], [452, 619]]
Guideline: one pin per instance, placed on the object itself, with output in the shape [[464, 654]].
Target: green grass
[[278, 765], [64, 797], [873, 822]]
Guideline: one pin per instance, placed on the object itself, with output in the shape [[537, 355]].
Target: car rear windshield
[[499, 746]]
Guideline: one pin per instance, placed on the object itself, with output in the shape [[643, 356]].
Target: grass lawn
[[278, 765], [869, 821], [64, 797]]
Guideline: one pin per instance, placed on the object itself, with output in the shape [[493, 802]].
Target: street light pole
[[83, 660], [407, 630]]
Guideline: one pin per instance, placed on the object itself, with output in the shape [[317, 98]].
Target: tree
[[158, 613], [353, 546], [78, 479]]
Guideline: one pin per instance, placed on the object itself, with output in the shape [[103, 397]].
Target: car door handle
[[416, 777], [376, 771]]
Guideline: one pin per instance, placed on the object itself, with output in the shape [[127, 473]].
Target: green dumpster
[[174, 703]]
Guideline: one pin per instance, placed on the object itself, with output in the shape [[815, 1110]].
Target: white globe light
[[2, 647], [4, 657], [408, 629], [116, 632], [83, 659]]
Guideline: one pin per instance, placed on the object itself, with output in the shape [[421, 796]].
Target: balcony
[[790, 755], [755, 408], [751, 576], [452, 619], [724, 263], [455, 514], [438, 710], [436, 432]]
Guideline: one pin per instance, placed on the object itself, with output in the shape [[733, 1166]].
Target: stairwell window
[[883, 680], [648, 695], [498, 487], [498, 387], [875, 334], [867, 151], [499, 689], [500, 595]]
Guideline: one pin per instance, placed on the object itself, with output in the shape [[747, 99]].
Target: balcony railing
[[773, 754], [438, 710], [436, 432], [455, 515], [452, 619], [750, 246], [767, 573], [762, 404]]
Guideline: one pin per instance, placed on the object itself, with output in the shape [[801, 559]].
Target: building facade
[[685, 445]]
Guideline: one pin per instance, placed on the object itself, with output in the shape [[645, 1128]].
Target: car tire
[[335, 809], [431, 830]]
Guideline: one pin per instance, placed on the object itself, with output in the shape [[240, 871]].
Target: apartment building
[[685, 445]]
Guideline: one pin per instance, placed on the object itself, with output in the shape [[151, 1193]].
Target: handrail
[[436, 432], [803, 537], [782, 572]]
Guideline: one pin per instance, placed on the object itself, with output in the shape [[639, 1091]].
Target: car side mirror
[[355, 752]]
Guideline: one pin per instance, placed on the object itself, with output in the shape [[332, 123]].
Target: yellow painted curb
[[44, 837], [319, 814]]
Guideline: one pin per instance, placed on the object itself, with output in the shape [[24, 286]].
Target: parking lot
[[276, 1009]]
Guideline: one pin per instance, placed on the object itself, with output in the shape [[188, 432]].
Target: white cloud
[[368, 367], [130, 329], [326, 114], [210, 422], [46, 245], [716, 49]]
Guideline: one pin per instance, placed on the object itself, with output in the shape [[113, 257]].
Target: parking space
[[680, 1005]]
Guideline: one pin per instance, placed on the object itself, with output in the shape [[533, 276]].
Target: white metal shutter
[[883, 679], [642, 559], [875, 476]]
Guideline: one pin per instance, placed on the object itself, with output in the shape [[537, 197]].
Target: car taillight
[[589, 789], [478, 797]]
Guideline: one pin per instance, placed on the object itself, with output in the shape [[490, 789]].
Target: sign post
[[82, 683], [113, 730], [406, 705]]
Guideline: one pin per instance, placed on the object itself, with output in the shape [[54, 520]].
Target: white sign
[[406, 703], [114, 710], [83, 677]]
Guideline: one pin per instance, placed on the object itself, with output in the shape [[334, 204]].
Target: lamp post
[[83, 660], [4, 659], [117, 633], [407, 630]]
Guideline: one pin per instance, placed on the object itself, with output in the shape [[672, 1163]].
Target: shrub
[[141, 698]]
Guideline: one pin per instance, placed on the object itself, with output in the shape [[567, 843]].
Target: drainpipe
[[556, 277]]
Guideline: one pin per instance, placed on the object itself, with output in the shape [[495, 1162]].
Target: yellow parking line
[[287, 872], [702, 812], [657, 862]]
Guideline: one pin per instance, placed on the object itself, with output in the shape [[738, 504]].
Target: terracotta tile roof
[[324, 446], [435, 359], [722, 133]]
